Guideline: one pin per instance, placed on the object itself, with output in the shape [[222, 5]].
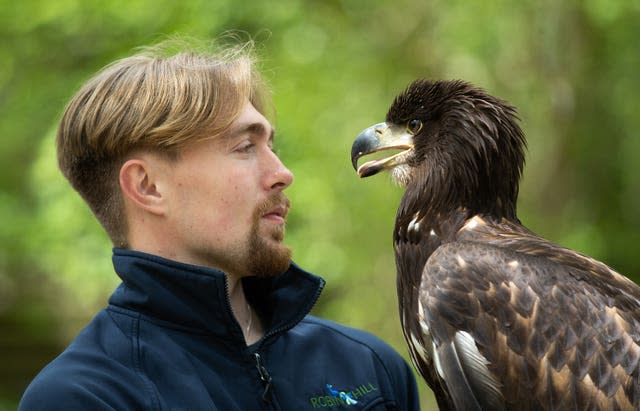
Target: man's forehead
[[252, 121]]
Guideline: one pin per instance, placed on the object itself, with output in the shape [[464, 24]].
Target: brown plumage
[[495, 317]]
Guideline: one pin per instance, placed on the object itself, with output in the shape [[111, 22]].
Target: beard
[[266, 255]]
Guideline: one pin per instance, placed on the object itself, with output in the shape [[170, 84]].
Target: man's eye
[[245, 147]]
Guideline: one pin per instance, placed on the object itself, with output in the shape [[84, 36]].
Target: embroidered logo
[[335, 397], [344, 396]]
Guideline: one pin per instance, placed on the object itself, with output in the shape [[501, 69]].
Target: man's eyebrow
[[259, 128], [254, 128]]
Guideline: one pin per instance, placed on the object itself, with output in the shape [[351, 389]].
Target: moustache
[[278, 203]]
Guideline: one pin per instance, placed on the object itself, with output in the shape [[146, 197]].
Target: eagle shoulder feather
[[524, 326]]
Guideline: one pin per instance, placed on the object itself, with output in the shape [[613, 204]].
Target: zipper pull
[[264, 377]]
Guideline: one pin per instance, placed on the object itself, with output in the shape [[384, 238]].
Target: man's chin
[[273, 232], [269, 257], [273, 265]]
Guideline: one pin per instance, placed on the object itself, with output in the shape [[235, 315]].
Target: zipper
[[264, 377]]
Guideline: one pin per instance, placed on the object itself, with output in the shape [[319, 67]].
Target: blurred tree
[[334, 67]]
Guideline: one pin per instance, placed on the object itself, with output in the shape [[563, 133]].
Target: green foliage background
[[334, 66]]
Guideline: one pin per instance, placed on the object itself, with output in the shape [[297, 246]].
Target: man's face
[[227, 208]]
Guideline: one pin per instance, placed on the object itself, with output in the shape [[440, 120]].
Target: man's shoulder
[[73, 381], [92, 372], [52, 389], [350, 335]]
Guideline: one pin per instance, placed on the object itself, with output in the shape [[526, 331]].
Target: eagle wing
[[513, 330]]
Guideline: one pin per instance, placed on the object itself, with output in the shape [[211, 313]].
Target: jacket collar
[[195, 298]]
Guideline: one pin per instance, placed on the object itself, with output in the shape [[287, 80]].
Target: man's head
[[153, 143]]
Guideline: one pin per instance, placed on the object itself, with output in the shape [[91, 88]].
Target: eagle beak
[[379, 137]]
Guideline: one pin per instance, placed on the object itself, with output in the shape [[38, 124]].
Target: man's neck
[[245, 315]]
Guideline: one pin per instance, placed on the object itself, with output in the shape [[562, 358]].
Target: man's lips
[[277, 214]]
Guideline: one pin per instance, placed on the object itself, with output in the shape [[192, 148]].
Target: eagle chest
[[414, 243]]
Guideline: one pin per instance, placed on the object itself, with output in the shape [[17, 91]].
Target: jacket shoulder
[[94, 372], [353, 336]]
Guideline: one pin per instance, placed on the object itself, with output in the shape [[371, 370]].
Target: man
[[173, 154]]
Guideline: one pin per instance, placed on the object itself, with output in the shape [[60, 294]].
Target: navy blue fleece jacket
[[168, 341]]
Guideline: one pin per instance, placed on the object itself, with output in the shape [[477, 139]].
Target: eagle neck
[[444, 196]]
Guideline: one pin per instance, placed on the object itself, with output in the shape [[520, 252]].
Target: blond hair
[[158, 100]]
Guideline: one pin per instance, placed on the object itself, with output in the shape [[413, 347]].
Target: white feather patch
[[476, 366], [467, 345], [473, 223], [414, 224], [420, 350], [401, 175], [421, 316], [461, 261], [436, 361]]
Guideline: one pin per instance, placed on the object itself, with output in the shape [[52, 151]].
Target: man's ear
[[139, 186]]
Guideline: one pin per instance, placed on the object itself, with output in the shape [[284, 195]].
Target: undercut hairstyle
[[161, 99]]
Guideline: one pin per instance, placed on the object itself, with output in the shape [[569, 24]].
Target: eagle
[[495, 316]]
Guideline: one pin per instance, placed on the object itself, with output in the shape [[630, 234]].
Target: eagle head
[[453, 142]]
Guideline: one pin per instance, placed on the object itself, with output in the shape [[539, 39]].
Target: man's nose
[[280, 177]]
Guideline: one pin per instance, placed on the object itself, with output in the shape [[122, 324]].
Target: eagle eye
[[414, 126]]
